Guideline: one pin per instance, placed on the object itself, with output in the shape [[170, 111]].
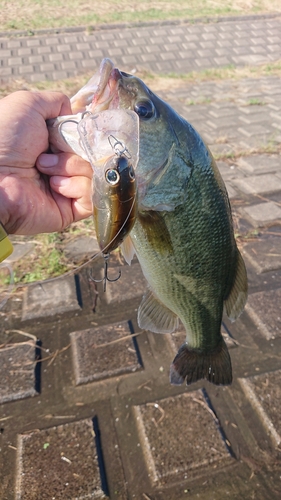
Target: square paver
[[131, 284], [17, 371], [264, 394], [97, 355], [260, 163], [261, 307], [50, 297], [59, 463], [262, 213], [264, 255], [259, 184], [179, 435]]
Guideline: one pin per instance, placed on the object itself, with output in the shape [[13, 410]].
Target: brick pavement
[[98, 417], [168, 48]]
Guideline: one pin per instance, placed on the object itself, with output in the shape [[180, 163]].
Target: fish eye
[[112, 176], [145, 109]]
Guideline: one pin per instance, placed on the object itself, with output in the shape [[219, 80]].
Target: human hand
[[38, 192]]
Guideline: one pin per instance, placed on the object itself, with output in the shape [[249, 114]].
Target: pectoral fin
[[128, 250], [154, 316], [236, 300]]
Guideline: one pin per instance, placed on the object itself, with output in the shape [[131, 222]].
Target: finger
[[64, 164], [47, 104], [78, 188], [52, 104]]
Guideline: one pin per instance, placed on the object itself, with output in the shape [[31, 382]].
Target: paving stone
[[228, 171], [160, 425], [230, 191], [47, 67], [259, 184], [254, 129], [17, 376], [55, 57], [26, 69], [34, 43], [264, 394], [81, 247], [59, 463], [97, 355], [49, 298], [261, 307], [255, 164], [131, 284], [20, 251], [36, 59], [264, 255], [262, 213]]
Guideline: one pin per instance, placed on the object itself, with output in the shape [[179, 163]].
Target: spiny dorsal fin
[[154, 316], [235, 302], [193, 365], [128, 250]]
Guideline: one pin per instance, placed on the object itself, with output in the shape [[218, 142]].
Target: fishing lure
[[109, 140]]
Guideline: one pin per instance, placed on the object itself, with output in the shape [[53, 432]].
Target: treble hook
[[105, 273], [67, 120]]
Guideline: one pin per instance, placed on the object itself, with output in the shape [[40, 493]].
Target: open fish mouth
[[100, 92]]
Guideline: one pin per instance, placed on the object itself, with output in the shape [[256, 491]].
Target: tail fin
[[193, 365]]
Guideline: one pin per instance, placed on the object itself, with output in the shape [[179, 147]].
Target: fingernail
[[60, 181], [48, 160]]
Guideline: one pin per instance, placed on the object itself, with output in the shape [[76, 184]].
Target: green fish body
[[183, 238]]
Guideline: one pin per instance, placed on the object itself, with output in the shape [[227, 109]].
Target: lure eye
[[112, 177], [145, 109]]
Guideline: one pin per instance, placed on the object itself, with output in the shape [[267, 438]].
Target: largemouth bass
[[183, 234]]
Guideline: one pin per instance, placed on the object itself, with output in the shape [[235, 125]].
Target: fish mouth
[[101, 92]]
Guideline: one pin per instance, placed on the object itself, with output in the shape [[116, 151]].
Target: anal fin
[[154, 316], [193, 364]]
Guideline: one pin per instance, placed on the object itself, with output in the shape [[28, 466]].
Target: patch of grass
[[268, 148], [254, 101], [48, 259], [36, 14]]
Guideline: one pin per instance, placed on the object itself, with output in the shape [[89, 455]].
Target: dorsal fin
[[236, 300], [154, 316]]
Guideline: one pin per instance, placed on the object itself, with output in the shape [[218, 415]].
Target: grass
[[35, 14], [254, 101], [47, 260]]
